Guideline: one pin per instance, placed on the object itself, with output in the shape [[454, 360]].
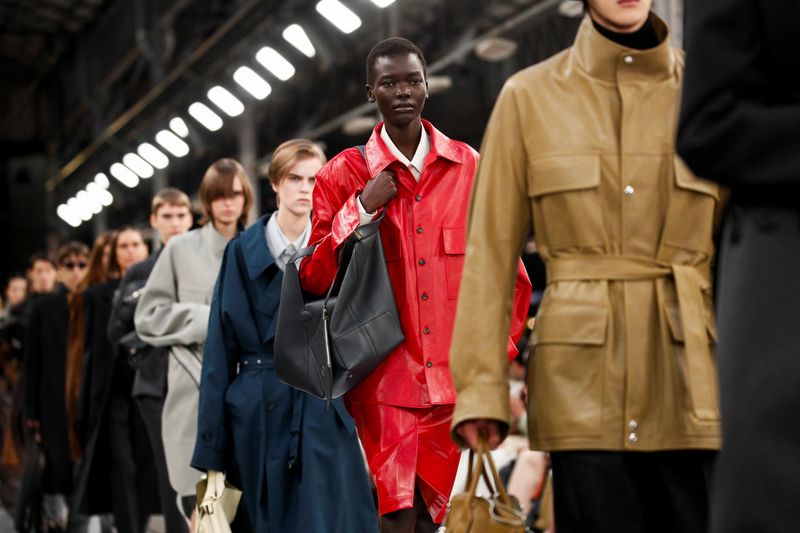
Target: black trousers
[[150, 410], [631, 492]]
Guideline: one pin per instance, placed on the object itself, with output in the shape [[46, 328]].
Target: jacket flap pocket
[[455, 240], [571, 323], [685, 179], [562, 173]]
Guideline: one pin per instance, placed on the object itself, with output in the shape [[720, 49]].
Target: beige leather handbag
[[469, 513]]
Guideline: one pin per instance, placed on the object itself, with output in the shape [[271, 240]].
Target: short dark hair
[[68, 249], [394, 46], [40, 256]]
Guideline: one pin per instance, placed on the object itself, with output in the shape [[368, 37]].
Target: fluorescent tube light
[[339, 15], [252, 82], [80, 209], [68, 215], [99, 194], [102, 180], [298, 38], [90, 203], [179, 126], [138, 165], [275, 63], [203, 114], [172, 143], [224, 100], [153, 155], [124, 175]]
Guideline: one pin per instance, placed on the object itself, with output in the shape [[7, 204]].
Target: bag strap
[[482, 457]]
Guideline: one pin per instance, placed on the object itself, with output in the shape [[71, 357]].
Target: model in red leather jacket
[[422, 179]]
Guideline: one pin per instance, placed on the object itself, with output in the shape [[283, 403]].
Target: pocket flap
[[685, 179], [571, 323], [455, 240], [564, 173]]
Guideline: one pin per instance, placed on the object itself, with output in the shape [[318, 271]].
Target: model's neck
[[406, 138], [291, 225], [226, 230]]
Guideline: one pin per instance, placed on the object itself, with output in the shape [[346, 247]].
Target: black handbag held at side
[[326, 346]]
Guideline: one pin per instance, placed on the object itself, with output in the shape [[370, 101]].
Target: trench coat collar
[[379, 157], [255, 250], [604, 59]]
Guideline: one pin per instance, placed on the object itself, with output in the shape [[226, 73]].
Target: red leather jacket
[[424, 241]]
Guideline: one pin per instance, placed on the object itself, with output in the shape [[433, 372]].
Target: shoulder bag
[[326, 346]]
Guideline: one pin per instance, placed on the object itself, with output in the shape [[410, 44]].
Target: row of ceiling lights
[[142, 164]]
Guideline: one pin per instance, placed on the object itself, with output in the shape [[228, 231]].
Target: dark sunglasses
[[70, 265]]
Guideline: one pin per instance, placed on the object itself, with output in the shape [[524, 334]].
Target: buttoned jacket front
[[424, 239], [581, 149]]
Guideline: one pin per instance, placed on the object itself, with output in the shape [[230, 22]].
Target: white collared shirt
[[278, 243], [414, 165], [417, 162]]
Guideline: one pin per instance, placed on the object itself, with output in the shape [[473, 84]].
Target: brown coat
[[580, 148]]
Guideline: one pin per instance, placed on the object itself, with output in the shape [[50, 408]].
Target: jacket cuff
[[346, 220], [205, 459], [482, 401]]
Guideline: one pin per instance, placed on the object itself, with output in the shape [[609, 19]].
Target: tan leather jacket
[[581, 149]]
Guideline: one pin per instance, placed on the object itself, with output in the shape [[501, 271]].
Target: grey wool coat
[[173, 312]]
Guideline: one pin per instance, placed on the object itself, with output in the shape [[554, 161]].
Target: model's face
[[171, 220], [226, 210], [399, 87], [130, 249], [622, 16], [43, 277], [15, 291], [71, 271], [295, 188]]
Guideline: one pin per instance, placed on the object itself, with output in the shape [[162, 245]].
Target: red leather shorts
[[408, 446]]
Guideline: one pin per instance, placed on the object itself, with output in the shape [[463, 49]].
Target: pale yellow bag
[[217, 501]]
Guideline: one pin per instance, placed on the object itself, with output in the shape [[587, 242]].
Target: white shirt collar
[[279, 245], [418, 161]]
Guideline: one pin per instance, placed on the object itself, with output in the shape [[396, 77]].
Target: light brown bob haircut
[[218, 183], [170, 196], [288, 154]]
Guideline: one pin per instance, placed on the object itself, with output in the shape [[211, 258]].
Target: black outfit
[[43, 370], [631, 492], [115, 469], [149, 383], [740, 126]]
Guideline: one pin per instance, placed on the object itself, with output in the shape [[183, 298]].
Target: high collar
[[255, 250], [379, 156], [606, 60], [215, 240]]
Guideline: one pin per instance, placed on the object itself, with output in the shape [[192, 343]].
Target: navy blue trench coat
[[298, 463]]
